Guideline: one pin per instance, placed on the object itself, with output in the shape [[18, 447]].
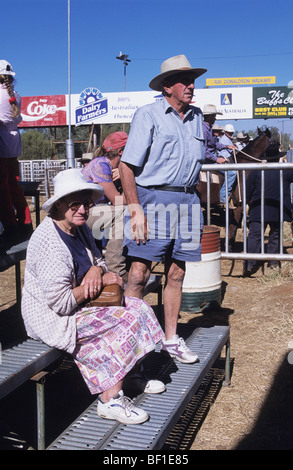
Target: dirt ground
[[255, 412]]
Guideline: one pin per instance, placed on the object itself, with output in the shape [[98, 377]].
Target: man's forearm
[[128, 183]]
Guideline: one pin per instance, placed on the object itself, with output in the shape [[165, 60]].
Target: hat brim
[[208, 114], [96, 189], [156, 82]]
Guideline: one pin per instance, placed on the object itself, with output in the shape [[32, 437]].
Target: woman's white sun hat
[[71, 181], [6, 68], [173, 66]]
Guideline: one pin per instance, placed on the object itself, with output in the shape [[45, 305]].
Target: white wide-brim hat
[[240, 135], [173, 66], [216, 127], [6, 68], [229, 128], [210, 109], [71, 181]]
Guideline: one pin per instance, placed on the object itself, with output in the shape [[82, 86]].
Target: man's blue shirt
[[164, 148], [226, 153], [212, 145]]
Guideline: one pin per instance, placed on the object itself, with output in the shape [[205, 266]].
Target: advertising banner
[[238, 81], [233, 103], [272, 102], [43, 111], [94, 107]]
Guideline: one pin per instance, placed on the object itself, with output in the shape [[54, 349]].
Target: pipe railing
[[244, 167]]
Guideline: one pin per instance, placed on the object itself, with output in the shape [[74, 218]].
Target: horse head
[[255, 148]]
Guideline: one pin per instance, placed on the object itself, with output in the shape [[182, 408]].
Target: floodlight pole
[[69, 142], [125, 62]]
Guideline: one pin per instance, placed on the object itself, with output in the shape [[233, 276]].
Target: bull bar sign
[[273, 102]]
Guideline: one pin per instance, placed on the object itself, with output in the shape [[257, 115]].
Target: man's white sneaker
[[177, 348], [121, 409]]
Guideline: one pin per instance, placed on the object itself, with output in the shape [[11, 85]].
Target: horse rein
[[250, 157]]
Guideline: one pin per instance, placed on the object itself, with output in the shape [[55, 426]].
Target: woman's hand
[[112, 278], [92, 282]]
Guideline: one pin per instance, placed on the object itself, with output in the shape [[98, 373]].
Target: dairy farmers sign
[[92, 105], [109, 108]]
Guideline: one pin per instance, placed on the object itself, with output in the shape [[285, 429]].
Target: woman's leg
[[112, 392]]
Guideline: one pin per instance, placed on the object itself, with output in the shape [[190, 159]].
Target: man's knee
[[139, 273], [176, 272]]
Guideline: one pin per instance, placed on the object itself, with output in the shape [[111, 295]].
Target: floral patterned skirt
[[111, 340]]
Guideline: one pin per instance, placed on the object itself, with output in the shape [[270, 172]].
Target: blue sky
[[229, 39]]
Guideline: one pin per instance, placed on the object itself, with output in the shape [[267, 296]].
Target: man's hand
[[221, 160], [139, 224]]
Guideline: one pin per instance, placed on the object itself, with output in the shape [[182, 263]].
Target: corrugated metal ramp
[[21, 362], [90, 432]]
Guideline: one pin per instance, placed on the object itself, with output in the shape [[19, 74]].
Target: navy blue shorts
[[176, 223]]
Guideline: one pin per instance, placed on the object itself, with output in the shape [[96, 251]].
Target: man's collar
[[168, 107]]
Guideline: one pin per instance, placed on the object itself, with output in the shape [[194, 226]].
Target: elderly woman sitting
[[64, 270]]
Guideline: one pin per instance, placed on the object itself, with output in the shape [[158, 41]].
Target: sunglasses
[[75, 205]]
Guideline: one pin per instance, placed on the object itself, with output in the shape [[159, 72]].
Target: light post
[[125, 62], [69, 142]]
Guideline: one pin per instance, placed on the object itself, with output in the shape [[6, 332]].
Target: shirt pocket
[[165, 146]]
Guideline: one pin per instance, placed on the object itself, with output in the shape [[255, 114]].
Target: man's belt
[[175, 189]]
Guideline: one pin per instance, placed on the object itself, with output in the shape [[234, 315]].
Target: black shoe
[[249, 272]]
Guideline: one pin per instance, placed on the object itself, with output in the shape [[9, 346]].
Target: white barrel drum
[[202, 281]]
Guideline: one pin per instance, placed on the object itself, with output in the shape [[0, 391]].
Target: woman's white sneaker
[[121, 409]]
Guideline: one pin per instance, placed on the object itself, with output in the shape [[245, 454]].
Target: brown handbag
[[108, 297]]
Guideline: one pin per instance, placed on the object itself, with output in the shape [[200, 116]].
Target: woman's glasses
[[75, 205]]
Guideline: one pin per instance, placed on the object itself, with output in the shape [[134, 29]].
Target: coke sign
[[43, 111]]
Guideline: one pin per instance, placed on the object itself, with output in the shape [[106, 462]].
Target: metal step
[[19, 363], [90, 432]]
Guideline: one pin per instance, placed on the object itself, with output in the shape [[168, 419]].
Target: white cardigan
[[48, 305]]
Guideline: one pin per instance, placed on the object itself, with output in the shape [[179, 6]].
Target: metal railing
[[243, 168], [43, 171]]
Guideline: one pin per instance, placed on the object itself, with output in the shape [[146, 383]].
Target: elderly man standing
[[159, 170]]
